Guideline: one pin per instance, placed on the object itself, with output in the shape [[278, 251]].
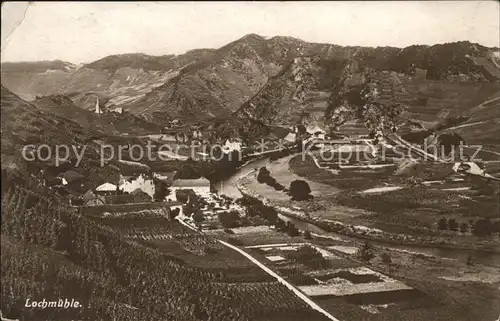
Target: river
[[228, 187]]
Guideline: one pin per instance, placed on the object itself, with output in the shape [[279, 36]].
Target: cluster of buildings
[[140, 187], [119, 184]]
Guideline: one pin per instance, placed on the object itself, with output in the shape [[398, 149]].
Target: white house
[[141, 182], [314, 129], [290, 137], [231, 145], [200, 186], [316, 132], [117, 110]]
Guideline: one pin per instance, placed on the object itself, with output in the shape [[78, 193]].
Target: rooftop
[[191, 182], [106, 187]]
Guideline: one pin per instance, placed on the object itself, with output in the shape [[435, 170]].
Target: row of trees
[[264, 177], [299, 190], [481, 227], [308, 256], [255, 208]]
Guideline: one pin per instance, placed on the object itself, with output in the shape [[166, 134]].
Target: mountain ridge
[[210, 83]]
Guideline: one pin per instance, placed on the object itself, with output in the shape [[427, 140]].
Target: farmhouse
[[90, 198], [200, 186], [117, 110], [232, 144], [141, 182], [140, 196]]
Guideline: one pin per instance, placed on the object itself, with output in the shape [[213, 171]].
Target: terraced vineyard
[[437, 99], [102, 263], [271, 298], [175, 240]]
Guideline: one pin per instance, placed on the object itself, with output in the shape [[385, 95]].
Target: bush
[[254, 207], [161, 191], [229, 219], [442, 224], [208, 250], [386, 258], [185, 195], [452, 224], [307, 255], [274, 184], [263, 175], [228, 231], [482, 227], [366, 252], [495, 227], [291, 230], [470, 260], [198, 217], [174, 213], [299, 190]]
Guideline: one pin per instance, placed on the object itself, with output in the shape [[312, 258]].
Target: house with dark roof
[[90, 198], [140, 196], [200, 186], [278, 133]]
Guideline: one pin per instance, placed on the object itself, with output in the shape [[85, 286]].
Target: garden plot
[[351, 281], [275, 258]]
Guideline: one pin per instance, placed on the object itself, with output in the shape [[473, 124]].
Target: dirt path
[[281, 280]]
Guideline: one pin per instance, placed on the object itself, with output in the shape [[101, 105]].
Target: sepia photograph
[[250, 161]]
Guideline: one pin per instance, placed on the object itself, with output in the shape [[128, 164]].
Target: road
[[297, 292], [281, 280]]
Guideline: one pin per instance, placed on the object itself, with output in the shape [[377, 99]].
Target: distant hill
[[22, 123], [148, 62], [110, 123], [37, 66], [212, 83]]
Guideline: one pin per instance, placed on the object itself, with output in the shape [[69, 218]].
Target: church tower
[[97, 107]]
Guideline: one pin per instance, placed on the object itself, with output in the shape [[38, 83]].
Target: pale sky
[[83, 32]]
